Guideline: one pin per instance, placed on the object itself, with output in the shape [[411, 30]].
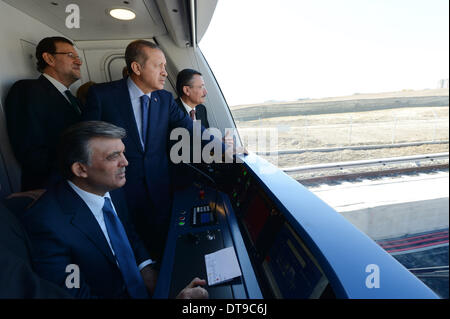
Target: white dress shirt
[[58, 85], [188, 109], [95, 204], [135, 96]]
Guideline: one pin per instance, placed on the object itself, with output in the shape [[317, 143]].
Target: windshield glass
[[351, 98]]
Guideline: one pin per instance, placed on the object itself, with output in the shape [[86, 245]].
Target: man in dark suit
[[17, 277], [82, 224], [148, 113], [37, 111], [191, 92], [191, 95]]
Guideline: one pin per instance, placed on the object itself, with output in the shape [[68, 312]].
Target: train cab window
[[352, 101]]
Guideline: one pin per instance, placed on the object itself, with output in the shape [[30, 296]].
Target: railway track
[[415, 243], [388, 166], [372, 174]]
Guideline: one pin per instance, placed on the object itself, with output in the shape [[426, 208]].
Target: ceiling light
[[122, 14]]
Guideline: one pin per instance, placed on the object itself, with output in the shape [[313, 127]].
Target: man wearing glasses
[[37, 111]]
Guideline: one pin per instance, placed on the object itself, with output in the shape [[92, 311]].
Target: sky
[[265, 50]]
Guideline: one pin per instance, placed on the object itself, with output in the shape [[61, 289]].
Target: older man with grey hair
[[80, 228]]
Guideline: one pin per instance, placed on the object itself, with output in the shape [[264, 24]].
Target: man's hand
[[228, 140], [150, 276], [231, 150], [193, 291]]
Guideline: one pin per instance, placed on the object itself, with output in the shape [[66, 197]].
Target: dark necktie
[[145, 101], [73, 101], [124, 254], [192, 114]]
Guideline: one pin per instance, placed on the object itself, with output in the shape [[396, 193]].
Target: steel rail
[[380, 161], [355, 147]]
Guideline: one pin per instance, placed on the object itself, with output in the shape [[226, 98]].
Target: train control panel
[[288, 244]]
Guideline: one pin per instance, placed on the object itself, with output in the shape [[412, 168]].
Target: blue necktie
[[145, 101], [124, 253]]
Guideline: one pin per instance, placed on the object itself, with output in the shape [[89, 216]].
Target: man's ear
[[79, 170], [48, 58], [186, 90], [136, 67]]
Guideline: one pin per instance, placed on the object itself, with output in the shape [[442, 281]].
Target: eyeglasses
[[197, 86], [70, 55]]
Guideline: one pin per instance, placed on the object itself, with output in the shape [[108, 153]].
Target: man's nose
[[123, 162]]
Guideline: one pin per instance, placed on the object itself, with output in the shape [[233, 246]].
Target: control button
[[182, 218], [183, 212], [181, 223]]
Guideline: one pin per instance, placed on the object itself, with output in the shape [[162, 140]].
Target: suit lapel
[[124, 102], [118, 202], [199, 113], [180, 104], [84, 220], [53, 91]]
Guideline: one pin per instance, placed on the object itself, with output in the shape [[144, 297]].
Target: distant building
[[443, 84]]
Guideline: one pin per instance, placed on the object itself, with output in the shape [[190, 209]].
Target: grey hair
[[75, 147]]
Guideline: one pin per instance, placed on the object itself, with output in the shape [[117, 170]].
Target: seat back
[[9, 168]]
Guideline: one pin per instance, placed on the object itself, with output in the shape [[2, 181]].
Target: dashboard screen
[[256, 217], [291, 270]]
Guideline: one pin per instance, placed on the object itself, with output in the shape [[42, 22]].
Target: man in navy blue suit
[[17, 277], [37, 111], [83, 239], [148, 113]]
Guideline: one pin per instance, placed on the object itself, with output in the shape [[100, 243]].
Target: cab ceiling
[[153, 18]]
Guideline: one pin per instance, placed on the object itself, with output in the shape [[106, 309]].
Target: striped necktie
[[73, 101], [192, 114]]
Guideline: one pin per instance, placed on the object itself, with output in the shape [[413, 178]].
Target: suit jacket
[[200, 112], [17, 278], [64, 231], [36, 114], [147, 186], [181, 174]]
